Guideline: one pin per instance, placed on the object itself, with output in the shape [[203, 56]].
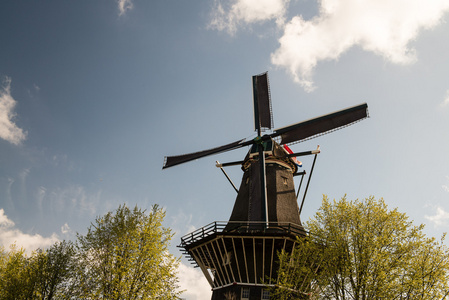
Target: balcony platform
[[240, 253]]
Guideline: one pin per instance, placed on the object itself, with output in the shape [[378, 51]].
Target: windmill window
[[245, 293], [284, 180]]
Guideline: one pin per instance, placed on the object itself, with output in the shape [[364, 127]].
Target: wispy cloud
[[383, 27], [124, 6], [8, 191], [24, 174], [8, 129], [243, 12], [446, 186], [74, 198], [65, 229], [10, 235], [440, 218], [446, 99], [181, 223], [194, 283], [40, 196], [32, 93]]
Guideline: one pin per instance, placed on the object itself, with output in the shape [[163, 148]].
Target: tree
[[42, 275], [54, 270], [16, 278], [18, 274], [362, 250], [124, 255]]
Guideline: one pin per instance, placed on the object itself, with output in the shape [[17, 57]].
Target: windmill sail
[[171, 161], [321, 125], [262, 103]]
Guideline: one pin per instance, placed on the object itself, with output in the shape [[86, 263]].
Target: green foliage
[[42, 275], [17, 278], [55, 270], [124, 255], [363, 250], [298, 269]]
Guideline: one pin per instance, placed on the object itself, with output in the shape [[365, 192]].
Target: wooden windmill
[[239, 257]]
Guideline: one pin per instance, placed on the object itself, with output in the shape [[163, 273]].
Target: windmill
[[239, 256]]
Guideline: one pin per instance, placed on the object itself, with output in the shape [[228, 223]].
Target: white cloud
[[8, 129], [124, 6], [440, 218], [191, 279], [194, 283], [244, 12], [10, 235], [4, 221], [384, 27]]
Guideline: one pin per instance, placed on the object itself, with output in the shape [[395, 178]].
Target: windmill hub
[[273, 152], [258, 140]]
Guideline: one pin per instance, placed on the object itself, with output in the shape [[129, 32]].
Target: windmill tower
[[239, 257]]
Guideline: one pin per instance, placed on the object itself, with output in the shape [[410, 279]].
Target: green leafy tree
[[362, 250], [45, 274], [54, 270], [124, 255], [17, 275]]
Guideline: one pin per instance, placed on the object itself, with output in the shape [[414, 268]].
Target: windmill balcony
[[240, 253]]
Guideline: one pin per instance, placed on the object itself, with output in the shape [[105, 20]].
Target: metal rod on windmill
[[300, 183], [308, 181], [262, 119], [218, 165]]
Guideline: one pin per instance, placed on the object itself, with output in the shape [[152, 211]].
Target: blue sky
[[94, 94]]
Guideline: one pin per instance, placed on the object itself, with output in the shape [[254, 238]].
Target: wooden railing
[[243, 228]]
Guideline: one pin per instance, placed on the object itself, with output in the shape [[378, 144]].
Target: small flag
[[289, 151]]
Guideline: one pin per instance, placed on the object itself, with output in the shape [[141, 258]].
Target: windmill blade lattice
[[263, 118], [321, 125], [171, 161]]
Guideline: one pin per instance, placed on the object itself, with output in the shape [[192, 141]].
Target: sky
[[94, 94]]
